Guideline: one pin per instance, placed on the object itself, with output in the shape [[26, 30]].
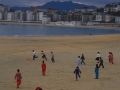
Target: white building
[[40, 16], [29, 16], [100, 17], [117, 19], [22, 16], [4, 8], [10, 16], [17, 15]]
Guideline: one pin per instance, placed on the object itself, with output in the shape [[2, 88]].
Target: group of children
[[77, 70], [99, 59], [100, 63], [43, 56]]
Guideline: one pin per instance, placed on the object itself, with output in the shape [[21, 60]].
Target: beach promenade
[[59, 75]]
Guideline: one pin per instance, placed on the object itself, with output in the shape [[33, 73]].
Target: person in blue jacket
[[77, 72], [96, 71]]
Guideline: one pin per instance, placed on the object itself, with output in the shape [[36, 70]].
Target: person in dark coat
[[82, 58], [101, 62], [77, 72]]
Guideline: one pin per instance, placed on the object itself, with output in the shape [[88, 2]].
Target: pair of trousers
[[77, 74], [18, 82]]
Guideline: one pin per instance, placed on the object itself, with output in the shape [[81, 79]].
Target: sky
[[28, 3]]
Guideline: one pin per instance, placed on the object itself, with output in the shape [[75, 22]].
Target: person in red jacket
[[43, 66], [18, 78], [111, 57]]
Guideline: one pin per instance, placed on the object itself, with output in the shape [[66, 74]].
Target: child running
[[18, 78], [82, 58], [34, 55], [79, 62], [43, 55], [101, 62], [77, 72], [52, 57], [98, 56]]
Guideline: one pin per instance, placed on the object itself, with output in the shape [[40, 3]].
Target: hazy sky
[[97, 3]]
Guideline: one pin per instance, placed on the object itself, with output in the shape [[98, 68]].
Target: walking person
[[79, 62], [96, 71], [101, 62], [18, 78], [52, 57], [34, 55], [98, 56], [43, 55], [111, 58], [82, 58], [43, 66], [77, 72]]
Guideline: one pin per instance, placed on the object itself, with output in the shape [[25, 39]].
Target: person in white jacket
[[79, 62]]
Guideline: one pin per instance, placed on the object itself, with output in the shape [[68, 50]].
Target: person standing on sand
[[43, 66], [52, 57], [82, 58], [96, 71], [79, 62], [101, 62], [111, 58], [98, 56], [77, 72], [34, 55], [18, 78], [43, 55]]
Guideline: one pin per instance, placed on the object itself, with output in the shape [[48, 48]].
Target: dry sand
[[59, 75]]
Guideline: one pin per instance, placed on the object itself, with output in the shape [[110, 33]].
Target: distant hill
[[66, 5]]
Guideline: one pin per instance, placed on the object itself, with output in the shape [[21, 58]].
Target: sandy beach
[[59, 75]]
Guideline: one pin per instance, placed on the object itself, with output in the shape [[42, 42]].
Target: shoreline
[[52, 25]]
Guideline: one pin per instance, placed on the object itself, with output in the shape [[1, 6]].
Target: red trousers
[[18, 82]]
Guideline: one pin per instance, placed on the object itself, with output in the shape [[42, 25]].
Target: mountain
[[66, 5], [20, 8]]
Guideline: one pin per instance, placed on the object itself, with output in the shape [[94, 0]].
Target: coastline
[[52, 25]]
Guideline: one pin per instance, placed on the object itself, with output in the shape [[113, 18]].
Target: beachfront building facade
[[109, 18], [17, 15], [22, 16], [1, 15], [10, 16], [29, 16], [4, 8], [117, 19], [100, 18], [87, 17]]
